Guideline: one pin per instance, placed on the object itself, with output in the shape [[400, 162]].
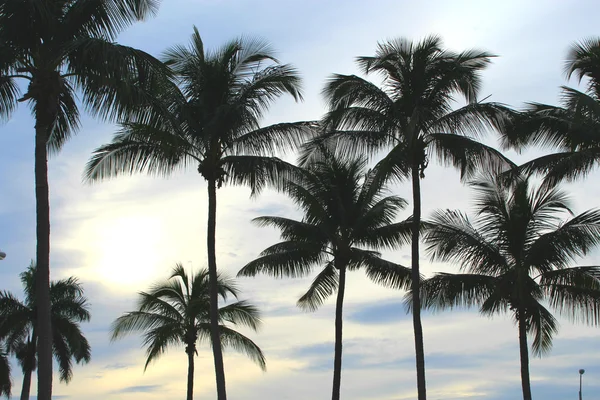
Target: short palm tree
[[18, 326], [59, 47], [517, 257], [211, 119], [572, 129], [346, 218], [411, 115], [5, 382], [177, 312]]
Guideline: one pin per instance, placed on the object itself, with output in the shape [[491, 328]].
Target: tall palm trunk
[[337, 360], [416, 284], [190, 383], [525, 383], [44, 122], [214, 294], [28, 367]]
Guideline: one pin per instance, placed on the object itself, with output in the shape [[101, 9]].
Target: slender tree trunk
[[190, 382], [44, 327], [337, 360], [416, 285], [26, 384], [29, 365], [525, 383], [214, 294]]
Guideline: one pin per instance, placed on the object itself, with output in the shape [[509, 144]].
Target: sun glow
[[128, 249]]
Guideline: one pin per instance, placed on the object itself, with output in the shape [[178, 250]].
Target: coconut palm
[[211, 120], [177, 312], [572, 129], [18, 326], [346, 217], [517, 257], [411, 115], [5, 383], [58, 48]]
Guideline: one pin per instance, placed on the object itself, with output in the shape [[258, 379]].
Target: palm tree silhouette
[[517, 258], [177, 312], [346, 218]]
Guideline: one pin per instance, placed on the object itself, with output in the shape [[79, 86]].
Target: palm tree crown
[[571, 129], [62, 46], [346, 218], [210, 118], [176, 313], [517, 257], [18, 325]]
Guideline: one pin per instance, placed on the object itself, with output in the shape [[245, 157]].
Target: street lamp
[[581, 372], [2, 255]]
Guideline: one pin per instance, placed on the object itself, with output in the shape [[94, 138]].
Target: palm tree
[[346, 217], [5, 383], [177, 312], [210, 119], [59, 47], [411, 114], [18, 326], [517, 257], [571, 129]]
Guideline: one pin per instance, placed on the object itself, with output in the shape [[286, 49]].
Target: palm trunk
[[28, 367], [214, 294], [26, 384], [525, 383], [190, 382], [44, 327], [416, 285], [337, 360]]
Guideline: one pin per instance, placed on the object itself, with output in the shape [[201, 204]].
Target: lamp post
[[581, 372]]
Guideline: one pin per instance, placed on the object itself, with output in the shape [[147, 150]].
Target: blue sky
[[120, 236]]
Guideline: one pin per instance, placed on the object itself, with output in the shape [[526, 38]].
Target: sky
[[120, 236]]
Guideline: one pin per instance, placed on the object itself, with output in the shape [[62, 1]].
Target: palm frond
[[467, 155], [257, 172], [323, 286], [447, 291], [273, 138], [105, 18], [241, 313], [139, 148], [242, 344], [575, 238], [543, 326], [450, 237], [292, 259], [574, 292], [383, 272]]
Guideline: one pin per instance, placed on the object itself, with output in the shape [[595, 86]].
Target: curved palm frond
[[241, 313], [323, 286], [558, 248], [451, 237], [240, 343]]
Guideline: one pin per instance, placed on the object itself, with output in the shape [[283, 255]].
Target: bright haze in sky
[[120, 236]]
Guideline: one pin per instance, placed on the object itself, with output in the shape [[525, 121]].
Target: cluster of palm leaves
[[204, 108]]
